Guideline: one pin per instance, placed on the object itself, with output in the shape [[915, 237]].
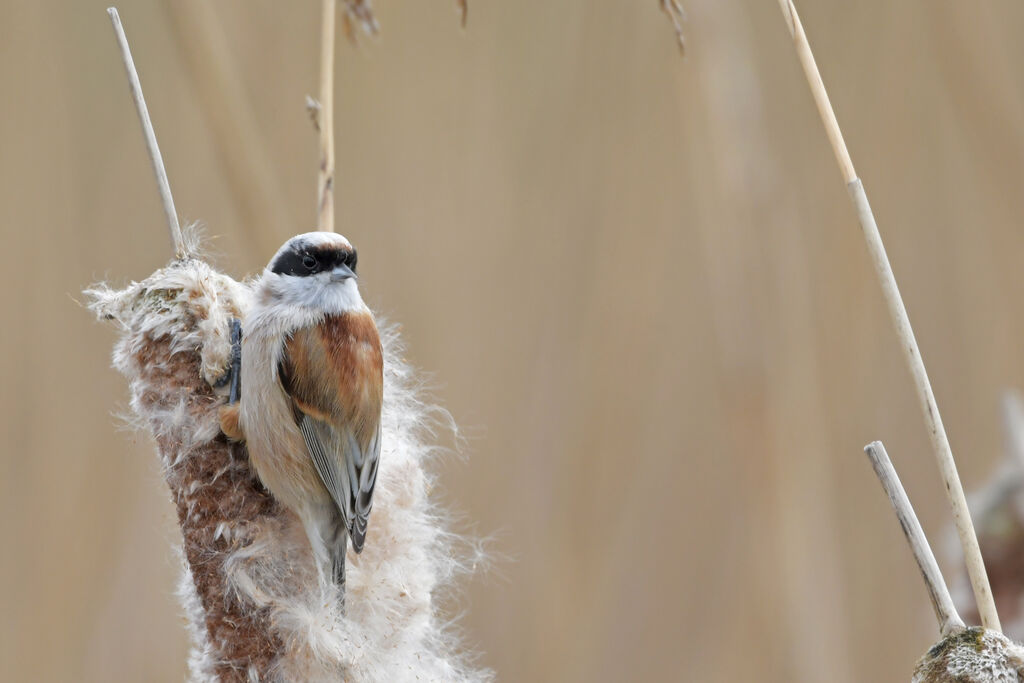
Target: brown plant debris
[[359, 13]]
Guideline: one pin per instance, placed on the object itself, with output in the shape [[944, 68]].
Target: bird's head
[[317, 270]]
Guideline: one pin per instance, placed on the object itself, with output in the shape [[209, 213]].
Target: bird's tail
[[336, 540], [338, 570]]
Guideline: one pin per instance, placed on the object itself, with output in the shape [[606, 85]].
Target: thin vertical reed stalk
[[942, 602], [163, 185], [901, 321], [325, 178]]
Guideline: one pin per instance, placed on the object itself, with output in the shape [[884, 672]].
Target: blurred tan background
[[636, 280]]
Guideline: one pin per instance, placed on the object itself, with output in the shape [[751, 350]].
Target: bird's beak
[[342, 273]]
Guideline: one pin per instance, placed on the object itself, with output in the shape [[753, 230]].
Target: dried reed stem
[[180, 248], [942, 602], [675, 12], [898, 312], [325, 179]]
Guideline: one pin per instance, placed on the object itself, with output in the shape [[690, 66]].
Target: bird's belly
[[277, 450], [284, 466]]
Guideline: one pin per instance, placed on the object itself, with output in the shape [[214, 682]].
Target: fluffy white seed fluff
[[393, 630]]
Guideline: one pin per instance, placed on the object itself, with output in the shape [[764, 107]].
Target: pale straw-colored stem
[[942, 602], [180, 248], [325, 179], [828, 116], [898, 312]]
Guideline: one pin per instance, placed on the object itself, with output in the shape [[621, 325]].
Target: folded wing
[[334, 379]]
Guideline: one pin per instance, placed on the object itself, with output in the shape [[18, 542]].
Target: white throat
[[283, 303], [316, 292]]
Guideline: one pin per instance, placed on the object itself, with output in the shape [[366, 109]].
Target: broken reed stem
[[325, 178], [898, 312], [945, 610], [180, 248]]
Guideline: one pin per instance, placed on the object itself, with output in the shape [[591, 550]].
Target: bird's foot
[[232, 375], [229, 412]]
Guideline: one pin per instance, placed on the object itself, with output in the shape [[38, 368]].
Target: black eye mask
[[307, 261]]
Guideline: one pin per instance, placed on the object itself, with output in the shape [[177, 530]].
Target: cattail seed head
[[972, 655]]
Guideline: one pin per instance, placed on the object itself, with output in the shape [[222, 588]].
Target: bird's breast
[[352, 344], [337, 368]]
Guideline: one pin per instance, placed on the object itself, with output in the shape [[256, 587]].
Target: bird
[[311, 394]]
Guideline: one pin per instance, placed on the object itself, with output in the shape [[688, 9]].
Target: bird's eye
[[309, 261]]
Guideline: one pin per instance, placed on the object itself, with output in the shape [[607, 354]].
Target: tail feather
[[336, 540], [338, 571], [358, 538]]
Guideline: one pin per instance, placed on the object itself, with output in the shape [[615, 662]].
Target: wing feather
[[344, 458], [337, 480]]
